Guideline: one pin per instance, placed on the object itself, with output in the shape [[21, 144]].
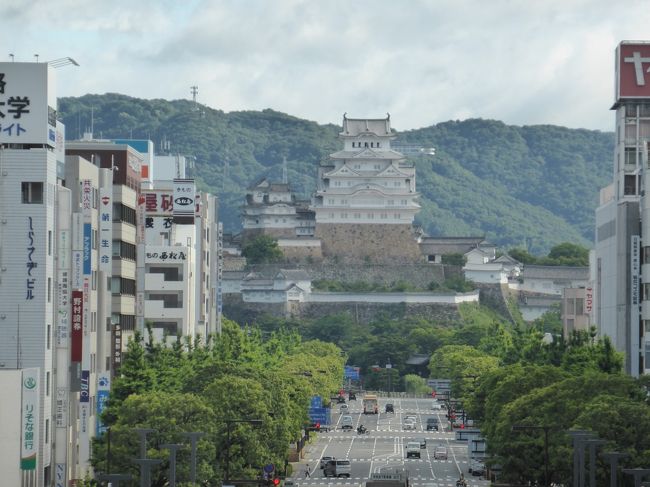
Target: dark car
[[341, 400], [432, 424], [390, 408], [352, 397]]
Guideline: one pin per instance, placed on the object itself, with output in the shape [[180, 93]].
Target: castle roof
[[354, 127], [367, 154], [555, 272], [449, 245]]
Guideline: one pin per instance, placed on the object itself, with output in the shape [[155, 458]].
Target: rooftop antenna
[[12, 57], [285, 179], [195, 91], [36, 56]]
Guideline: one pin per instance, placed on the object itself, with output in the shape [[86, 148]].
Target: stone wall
[[419, 275], [363, 313], [370, 243]]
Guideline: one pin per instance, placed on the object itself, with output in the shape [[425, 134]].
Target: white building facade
[[620, 308]]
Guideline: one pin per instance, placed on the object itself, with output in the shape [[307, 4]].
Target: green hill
[[532, 185]]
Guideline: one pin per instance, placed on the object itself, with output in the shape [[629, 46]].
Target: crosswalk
[[413, 481], [409, 460]]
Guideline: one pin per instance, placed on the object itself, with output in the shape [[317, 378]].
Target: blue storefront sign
[[351, 372], [87, 248]]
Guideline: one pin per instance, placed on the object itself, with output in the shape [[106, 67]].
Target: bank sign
[[27, 104], [632, 70], [30, 404]]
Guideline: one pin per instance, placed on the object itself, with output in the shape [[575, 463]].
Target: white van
[[413, 449], [338, 468], [346, 422]]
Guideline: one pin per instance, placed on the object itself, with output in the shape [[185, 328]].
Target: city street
[[383, 447]]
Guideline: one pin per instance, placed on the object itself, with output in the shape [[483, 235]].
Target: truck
[[370, 405]]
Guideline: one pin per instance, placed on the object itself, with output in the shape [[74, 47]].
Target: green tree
[[263, 249]]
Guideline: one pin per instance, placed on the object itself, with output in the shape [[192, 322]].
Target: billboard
[[103, 388], [87, 249], [30, 407], [76, 335], [27, 104], [184, 197], [105, 229], [632, 70]]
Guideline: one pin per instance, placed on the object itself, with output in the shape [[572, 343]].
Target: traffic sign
[[268, 468]]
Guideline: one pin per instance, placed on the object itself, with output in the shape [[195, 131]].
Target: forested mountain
[[532, 186]]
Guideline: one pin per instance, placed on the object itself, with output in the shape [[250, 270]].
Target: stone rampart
[[419, 275], [372, 243]]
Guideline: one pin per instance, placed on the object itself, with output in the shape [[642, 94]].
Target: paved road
[[384, 447]]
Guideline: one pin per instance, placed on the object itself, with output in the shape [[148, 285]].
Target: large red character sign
[[632, 70]]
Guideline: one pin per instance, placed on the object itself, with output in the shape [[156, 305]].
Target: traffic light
[[275, 481]]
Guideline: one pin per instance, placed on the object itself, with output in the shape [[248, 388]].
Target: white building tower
[[366, 199], [621, 303]]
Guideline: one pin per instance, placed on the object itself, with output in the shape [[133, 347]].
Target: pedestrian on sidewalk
[[307, 472]]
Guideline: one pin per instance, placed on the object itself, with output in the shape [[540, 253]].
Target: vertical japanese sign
[[76, 273], [30, 406], [635, 266], [116, 348], [63, 296], [76, 334], [140, 218], [27, 104], [31, 263], [184, 197], [84, 417], [105, 229], [87, 251], [219, 296], [103, 389]]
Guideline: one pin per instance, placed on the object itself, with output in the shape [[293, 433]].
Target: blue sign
[[351, 373], [87, 248], [316, 402], [320, 415], [84, 394], [269, 468], [102, 397]]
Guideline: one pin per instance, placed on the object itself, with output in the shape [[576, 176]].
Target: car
[[411, 417], [343, 408], [413, 449], [390, 408], [352, 397], [440, 453], [422, 441], [436, 406], [346, 422], [324, 460], [290, 483], [476, 467], [337, 468], [340, 400], [432, 424], [409, 424]]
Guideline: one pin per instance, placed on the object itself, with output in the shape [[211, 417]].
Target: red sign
[[433, 393], [589, 299], [76, 335], [633, 70]]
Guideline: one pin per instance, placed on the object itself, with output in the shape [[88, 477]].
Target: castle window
[[377, 145], [397, 216], [358, 215], [344, 216], [390, 202], [377, 166], [371, 216], [383, 216], [397, 184], [330, 201], [366, 144], [403, 202]]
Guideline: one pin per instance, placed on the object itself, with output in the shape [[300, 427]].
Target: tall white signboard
[[27, 104]]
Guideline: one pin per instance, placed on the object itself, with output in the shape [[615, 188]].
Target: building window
[[403, 202], [48, 338], [49, 242], [123, 250], [390, 202], [47, 431], [377, 167], [122, 285], [123, 213], [49, 289], [32, 193], [47, 383], [629, 185]]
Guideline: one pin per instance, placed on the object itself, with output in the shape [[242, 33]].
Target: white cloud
[[424, 61]]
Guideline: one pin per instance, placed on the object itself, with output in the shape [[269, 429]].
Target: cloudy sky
[[424, 61]]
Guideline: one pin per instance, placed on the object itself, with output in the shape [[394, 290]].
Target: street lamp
[[613, 457], [229, 423], [526, 427]]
